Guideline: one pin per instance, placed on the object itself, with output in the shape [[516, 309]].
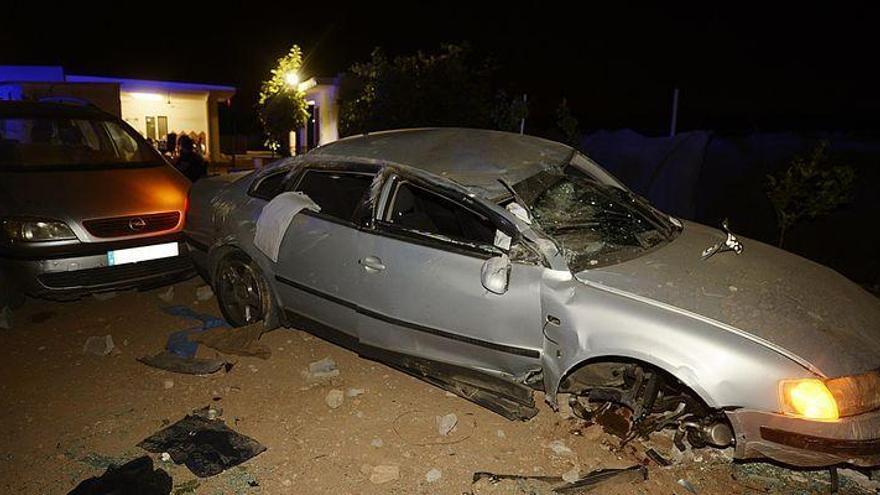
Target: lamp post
[[292, 79]]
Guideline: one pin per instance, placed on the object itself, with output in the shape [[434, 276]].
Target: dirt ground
[[67, 415]]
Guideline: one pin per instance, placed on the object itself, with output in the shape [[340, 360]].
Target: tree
[[451, 87], [508, 113], [282, 106], [568, 124], [811, 186]]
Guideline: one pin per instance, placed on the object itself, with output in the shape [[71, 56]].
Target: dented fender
[[586, 323]]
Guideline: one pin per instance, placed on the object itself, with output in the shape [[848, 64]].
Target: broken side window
[[417, 209], [338, 193], [269, 186]]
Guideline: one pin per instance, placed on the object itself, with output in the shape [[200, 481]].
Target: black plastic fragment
[[136, 477], [207, 447]]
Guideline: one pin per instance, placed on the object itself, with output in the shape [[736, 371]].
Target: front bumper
[[77, 272], [852, 440]]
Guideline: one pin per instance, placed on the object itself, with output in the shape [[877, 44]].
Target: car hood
[[76, 195], [807, 309]]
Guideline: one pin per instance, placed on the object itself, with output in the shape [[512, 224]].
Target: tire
[[242, 292]]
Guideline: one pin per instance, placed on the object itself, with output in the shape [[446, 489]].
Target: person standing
[[189, 162]]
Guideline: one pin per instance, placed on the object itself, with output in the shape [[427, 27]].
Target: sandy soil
[[67, 415]]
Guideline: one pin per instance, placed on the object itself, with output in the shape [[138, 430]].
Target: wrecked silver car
[[496, 265]]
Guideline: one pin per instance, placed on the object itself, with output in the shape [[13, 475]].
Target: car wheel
[[242, 291]]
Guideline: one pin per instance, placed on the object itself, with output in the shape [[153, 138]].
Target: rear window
[[69, 142], [337, 193]]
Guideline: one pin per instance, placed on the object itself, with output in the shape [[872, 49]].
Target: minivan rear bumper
[[69, 272]]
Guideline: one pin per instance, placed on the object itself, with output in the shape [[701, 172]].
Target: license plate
[[143, 253]]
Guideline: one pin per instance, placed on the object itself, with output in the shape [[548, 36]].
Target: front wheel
[[242, 291]]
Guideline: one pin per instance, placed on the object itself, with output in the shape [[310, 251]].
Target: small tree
[[282, 106], [568, 124], [811, 186]]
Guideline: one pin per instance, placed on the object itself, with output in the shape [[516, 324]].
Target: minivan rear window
[[27, 142]]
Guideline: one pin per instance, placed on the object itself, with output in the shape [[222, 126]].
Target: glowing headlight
[[809, 399], [35, 230]]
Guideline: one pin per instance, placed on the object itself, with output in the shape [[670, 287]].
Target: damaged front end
[[633, 401]]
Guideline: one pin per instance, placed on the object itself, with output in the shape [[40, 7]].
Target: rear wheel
[[242, 291]]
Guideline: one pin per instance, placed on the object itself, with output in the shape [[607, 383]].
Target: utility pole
[[674, 122]]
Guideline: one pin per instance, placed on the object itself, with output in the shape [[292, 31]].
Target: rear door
[[317, 272], [421, 292]]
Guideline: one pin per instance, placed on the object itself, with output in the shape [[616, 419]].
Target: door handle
[[372, 264]]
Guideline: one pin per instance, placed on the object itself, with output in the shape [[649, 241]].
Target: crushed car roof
[[474, 158]]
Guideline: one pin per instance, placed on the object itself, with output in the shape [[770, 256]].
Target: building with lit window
[[153, 108]]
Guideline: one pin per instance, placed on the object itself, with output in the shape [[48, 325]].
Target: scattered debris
[[500, 434], [169, 361], [446, 424], [377, 443], [208, 321], [167, 295], [242, 341], [207, 447], [104, 296], [168, 384], [334, 398], [354, 392], [5, 318], [204, 293], [657, 457], [433, 475], [136, 476], [687, 485], [547, 485], [559, 448], [384, 473], [321, 370], [99, 346]]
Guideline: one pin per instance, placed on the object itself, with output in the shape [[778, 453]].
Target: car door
[[421, 292], [317, 272]]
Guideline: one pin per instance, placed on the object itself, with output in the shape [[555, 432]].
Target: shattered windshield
[[592, 217]]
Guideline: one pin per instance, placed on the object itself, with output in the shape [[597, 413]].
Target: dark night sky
[[740, 66]]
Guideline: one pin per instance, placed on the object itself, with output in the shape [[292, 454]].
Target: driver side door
[[421, 290]]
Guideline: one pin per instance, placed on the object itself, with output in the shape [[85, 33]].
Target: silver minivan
[[86, 205]]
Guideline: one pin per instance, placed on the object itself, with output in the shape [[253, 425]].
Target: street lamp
[[292, 79]]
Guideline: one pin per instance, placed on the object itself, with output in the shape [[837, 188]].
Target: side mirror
[[495, 274]]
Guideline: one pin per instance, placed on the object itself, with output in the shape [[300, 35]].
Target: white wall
[[186, 112], [324, 96]]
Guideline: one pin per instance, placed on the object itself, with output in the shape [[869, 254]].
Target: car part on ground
[[135, 476], [204, 443], [169, 361], [549, 485]]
